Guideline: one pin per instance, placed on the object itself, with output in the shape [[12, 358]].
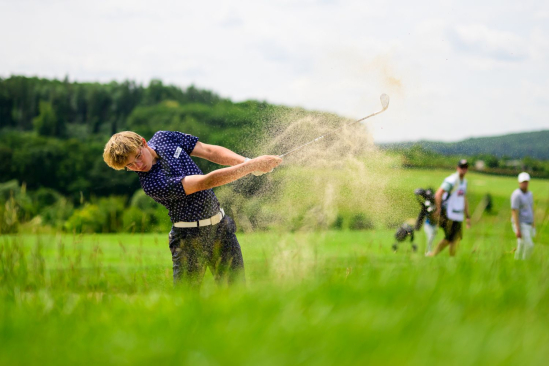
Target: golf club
[[384, 98]]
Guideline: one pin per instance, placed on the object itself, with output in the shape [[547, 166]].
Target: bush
[[16, 206], [361, 222], [113, 209], [44, 197], [145, 214], [88, 219], [9, 189], [136, 220], [143, 202], [9, 222], [160, 219], [338, 223], [57, 214]]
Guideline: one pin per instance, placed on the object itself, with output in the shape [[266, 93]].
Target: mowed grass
[[330, 297]]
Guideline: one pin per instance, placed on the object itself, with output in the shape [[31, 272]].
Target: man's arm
[[533, 215], [217, 154], [438, 204], [516, 222], [467, 216], [196, 183]]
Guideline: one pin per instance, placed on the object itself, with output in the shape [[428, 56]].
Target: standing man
[[202, 235], [452, 208], [522, 217]]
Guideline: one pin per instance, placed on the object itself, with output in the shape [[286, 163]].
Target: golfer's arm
[[467, 209], [197, 183], [217, 154]]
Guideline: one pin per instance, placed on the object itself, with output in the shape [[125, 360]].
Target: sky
[[453, 69]]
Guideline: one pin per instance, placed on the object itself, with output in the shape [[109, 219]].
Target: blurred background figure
[[426, 199], [452, 208], [522, 217]]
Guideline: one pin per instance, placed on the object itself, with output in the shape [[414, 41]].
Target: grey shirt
[[524, 203]]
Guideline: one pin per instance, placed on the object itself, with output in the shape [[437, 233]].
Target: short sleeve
[[515, 201], [175, 188], [448, 183], [187, 142]]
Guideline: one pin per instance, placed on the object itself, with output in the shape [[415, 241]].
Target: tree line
[[52, 135], [60, 108], [53, 131], [506, 147], [418, 156]]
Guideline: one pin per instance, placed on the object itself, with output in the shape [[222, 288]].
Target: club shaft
[[329, 133]]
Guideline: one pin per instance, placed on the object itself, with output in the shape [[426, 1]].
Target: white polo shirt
[[456, 189]]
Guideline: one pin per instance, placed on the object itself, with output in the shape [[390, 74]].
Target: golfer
[[202, 235], [522, 217], [451, 207]]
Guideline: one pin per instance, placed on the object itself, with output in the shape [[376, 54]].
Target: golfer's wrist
[[249, 167]]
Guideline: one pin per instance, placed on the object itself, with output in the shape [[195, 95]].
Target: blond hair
[[120, 146]]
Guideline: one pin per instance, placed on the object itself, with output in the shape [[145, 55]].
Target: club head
[[384, 101]]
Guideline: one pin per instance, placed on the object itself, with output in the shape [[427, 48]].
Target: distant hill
[[516, 146]]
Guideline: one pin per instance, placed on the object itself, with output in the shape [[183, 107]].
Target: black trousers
[[452, 229], [213, 246]]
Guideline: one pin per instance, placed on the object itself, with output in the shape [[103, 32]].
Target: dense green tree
[[47, 123], [52, 135], [6, 106]]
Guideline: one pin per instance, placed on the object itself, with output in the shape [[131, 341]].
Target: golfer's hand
[[519, 234], [265, 163], [468, 220]]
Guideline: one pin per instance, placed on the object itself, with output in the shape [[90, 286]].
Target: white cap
[[523, 177]]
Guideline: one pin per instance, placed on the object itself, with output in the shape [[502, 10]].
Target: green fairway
[[312, 297]]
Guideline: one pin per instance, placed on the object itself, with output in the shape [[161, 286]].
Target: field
[[311, 297]]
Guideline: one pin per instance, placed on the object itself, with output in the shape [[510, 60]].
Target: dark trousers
[[452, 229], [213, 246]]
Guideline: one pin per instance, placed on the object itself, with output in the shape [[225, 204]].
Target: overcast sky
[[453, 69]]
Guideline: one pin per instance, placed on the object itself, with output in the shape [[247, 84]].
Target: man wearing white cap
[[522, 217]]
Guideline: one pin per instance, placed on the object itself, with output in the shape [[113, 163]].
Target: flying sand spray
[[384, 98], [285, 199]]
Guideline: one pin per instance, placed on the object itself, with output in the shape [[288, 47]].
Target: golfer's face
[[140, 161], [462, 170]]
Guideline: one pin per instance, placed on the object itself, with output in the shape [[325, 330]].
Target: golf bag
[[404, 232], [426, 199]]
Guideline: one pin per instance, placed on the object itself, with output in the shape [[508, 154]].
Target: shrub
[[361, 222], [55, 215], [88, 219], [113, 209], [136, 220], [143, 202]]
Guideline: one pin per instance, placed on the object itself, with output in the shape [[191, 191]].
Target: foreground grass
[[330, 297], [311, 298]]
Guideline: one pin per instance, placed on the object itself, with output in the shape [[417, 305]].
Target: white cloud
[[482, 41], [444, 64]]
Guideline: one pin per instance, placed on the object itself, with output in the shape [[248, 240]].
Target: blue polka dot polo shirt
[[163, 181]]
